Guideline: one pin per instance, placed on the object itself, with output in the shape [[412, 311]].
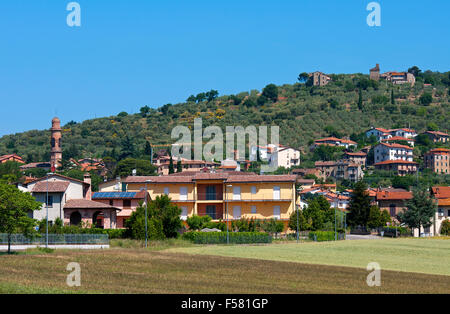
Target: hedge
[[112, 233], [321, 236], [221, 237], [396, 231]]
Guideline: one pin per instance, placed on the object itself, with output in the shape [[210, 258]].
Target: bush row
[[221, 237], [321, 236], [112, 233], [396, 231]]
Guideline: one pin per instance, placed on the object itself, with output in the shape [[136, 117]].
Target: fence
[[20, 239]]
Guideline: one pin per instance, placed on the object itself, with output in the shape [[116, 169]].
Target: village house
[[442, 195], [340, 170], [209, 194], [375, 73], [399, 167], [276, 155], [438, 160], [70, 200], [319, 79], [391, 152], [359, 158], [437, 136], [385, 134], [11, 157], [333, 141], [393, 200], [399, 78]]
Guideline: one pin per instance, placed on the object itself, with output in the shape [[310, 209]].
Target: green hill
[[302, 112]]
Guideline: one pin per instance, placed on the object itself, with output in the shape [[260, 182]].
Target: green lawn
[[430, 256]]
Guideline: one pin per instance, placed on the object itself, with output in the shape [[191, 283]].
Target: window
[[210, 193], [237, 212], [276, 193], [392, 210], [253, 209], [253, 189], [111, 203], [183, 194], [277, 212], [237, 193], [126, 203], [184, 212], [211, 211], [50, 200], [166, 191]]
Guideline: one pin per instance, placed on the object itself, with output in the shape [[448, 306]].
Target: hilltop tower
[[55, 142]]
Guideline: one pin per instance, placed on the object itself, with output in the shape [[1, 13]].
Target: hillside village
[[105, 190]]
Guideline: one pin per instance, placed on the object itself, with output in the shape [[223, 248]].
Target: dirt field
[[144, 271]]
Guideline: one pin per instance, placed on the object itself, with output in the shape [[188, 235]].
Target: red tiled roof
[[14, 156], [441, 191], [444, 202], [394, 195], [439, 150], [53, 187], [438, 133], [358, 154], [263, 178], [87, 204], [335, 139], [394, 145], [58, 175], [393, 162]]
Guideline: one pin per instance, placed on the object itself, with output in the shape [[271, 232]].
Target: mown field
[[137, 270], [430, 256]]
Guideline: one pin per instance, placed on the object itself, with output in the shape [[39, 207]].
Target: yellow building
[[223, 196]]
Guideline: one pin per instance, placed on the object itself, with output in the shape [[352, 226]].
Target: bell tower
[[55, 142]]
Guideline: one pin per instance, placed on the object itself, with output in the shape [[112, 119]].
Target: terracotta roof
[[53, 187], [306, 181], [160, 179], [394, 145], [357, 154], [14, 156], [87, 204], [394, 195], [444, 202], [438, 133], [381, 130], [393, 162], [58, 175], [439, 150], [335, 139], [405, 129], [262, 178], [441, 191]]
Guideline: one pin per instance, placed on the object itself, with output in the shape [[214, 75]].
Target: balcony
[[209, 197]]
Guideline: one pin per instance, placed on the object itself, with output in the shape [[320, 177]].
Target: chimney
[[87, 180]]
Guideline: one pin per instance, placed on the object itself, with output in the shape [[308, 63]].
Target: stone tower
[[56, 152]]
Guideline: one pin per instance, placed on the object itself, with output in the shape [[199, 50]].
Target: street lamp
[[46, 219], [146, 216], [226, 204]]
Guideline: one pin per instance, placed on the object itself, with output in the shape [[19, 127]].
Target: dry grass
[[147, 271]]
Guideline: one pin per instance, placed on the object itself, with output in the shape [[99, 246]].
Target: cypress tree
[[179, 166], [171, 169], [359, 206]]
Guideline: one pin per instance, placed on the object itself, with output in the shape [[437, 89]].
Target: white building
[[384, 134], [385, 151], [276, 155]]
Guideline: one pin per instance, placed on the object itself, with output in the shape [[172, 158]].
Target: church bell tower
[[56, 151]]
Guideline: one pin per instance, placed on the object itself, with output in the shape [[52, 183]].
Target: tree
[[122, 114], [359, 205], [271, 92], [420, 210], [179, 166], [136, 225], [302, 223], [374, 220], [414, 70], [10, 172], [169, 214], [360, 100], [426, 99], [128, 149], [126, 166], [191, 99], [211, 95], [171, 168], [145, 110], [392, 97], [148, 149], [303, 77], [316, 213], [14, 208]]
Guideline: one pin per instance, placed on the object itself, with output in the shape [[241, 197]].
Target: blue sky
[[127, 54]]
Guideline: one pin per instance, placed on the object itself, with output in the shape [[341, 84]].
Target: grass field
[[431, 256], [131, 269]]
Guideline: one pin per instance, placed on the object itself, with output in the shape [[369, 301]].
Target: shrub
[[394, 232], [221, 237], [321, 236], [445, 228]]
